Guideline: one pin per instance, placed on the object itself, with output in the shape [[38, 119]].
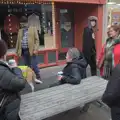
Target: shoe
[[38, 81]]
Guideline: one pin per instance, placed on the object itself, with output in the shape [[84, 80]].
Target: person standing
[[28, 45], [110, 55], [89, 47]]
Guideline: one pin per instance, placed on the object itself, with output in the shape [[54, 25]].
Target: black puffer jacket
[[10, 86], [75, 71]]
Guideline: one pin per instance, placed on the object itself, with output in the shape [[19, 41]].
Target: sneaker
[[38, 81]]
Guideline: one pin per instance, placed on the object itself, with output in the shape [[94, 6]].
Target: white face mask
[[93, 23]]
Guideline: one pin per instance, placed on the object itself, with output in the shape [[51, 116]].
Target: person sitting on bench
[[75, 70]]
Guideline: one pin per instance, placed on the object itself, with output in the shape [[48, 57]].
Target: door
[[67, 30]]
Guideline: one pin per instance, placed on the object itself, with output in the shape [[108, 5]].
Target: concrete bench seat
[[46, 103]]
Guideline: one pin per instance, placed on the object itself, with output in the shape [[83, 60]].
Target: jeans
[[31, 61]]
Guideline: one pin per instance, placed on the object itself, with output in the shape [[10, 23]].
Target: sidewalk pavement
[[94, 113]]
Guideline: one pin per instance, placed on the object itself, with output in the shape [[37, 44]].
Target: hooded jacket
[[89, 49], [75, 71]]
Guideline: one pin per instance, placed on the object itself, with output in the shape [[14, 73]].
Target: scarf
[[109, 56]]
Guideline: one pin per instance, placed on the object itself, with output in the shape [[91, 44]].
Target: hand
[[35, 52], [60, 77]]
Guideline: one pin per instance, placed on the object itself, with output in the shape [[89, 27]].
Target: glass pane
[[51, 57], [67, 28], [40, 59], [62, 56]]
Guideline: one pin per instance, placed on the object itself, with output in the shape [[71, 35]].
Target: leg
[[26, 57], [32, 86], [35, 66], [93, 65], [31, 76]]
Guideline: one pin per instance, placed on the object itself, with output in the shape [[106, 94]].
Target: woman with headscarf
[[110, 55]]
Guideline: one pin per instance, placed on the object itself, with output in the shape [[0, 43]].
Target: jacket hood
[[92, 18], [80, 62]]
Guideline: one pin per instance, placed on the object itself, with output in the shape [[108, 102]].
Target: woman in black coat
[[89, 48], [112, 93]]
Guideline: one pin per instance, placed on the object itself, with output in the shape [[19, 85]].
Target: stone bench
[[52, 101]]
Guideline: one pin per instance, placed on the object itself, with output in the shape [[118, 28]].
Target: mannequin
[[89, 47]]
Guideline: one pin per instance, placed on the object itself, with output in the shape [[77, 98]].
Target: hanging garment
[[34, 21], [11, 24]]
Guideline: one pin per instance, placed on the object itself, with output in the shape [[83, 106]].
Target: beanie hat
[[74, 53], [3, 48]]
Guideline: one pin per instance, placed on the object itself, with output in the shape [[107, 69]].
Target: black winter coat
[[10, 85], [88, 43], [74, 71], [111, 95]]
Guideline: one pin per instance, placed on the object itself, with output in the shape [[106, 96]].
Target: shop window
[[67, 28], [10, 25], [40, 58], [52, 57], [62, 56]]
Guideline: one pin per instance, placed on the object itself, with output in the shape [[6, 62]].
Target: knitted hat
[[3, 48], [74, 53]]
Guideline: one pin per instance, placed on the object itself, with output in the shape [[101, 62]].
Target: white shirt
[[34, 21]]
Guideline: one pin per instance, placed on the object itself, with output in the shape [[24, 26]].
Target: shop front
[[113, 12], [60, 26]]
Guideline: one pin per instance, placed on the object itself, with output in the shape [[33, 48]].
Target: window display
[[39, 16]]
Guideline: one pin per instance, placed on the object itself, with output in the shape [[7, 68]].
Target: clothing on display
[[33, 20], [11, 24]]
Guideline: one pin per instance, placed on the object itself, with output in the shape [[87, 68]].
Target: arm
[[86, 39], [74, 78], [12, 82], [100, 59], [36, 40]]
